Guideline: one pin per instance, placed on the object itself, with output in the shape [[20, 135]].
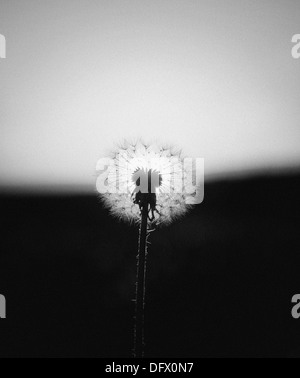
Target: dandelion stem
[[139, 341]]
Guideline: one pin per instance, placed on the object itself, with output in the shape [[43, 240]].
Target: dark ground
[[220, 281]]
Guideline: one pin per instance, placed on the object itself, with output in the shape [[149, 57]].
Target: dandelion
[[149, 185], [148, 163]]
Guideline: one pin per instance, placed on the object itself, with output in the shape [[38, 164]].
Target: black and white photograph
[[149, 182]]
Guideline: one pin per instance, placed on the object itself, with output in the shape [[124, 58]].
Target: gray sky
[[214, 77]]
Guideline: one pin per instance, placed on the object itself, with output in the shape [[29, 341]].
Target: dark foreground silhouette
[[219, 283]]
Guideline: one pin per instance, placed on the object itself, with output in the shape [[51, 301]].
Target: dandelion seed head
[[133, 160]]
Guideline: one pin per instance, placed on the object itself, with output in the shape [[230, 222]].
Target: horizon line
[[88, 189]]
